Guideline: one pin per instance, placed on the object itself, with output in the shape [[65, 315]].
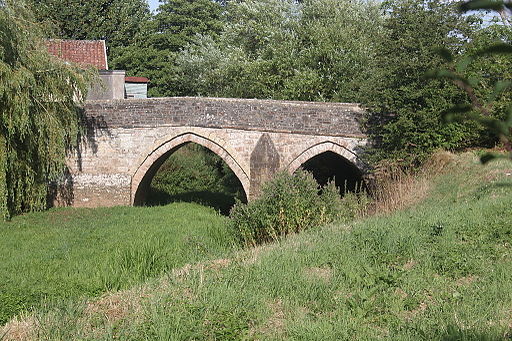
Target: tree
[[118, 22], [178, 21], [404, 107], [284, 49], [153, 54], [252, 57], [338, 42], [483, 72], [39, 118]]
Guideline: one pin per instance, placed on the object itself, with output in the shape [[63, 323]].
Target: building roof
[[82, 52], [136, 80]]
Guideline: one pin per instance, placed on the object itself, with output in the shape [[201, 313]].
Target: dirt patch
[[342, 295], [276, 322], [506, 320], [116, 306], [317, 273], [20, 329], [409, 315], [410, 264], [497, 174], [401, 293], [183, 272], [421, 308], [463, 281], [216, 265], [275, 325], [252, 256]]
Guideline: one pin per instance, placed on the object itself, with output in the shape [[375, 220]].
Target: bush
[[289, 204]]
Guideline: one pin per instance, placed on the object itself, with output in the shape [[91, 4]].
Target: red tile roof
[[82, 52], [136, 80]]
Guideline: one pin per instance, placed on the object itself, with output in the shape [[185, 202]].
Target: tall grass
[[394, 188], [438, 270], [72, 253]]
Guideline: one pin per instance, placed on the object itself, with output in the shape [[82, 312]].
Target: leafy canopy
[[284, 49], [174, 26], [484, 73], [404, 119], [116, 21], [39, 118]]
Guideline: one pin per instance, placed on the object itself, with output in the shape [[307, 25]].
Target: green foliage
[[288, 204], [118, 22], [191, 168], [436, 271], [484, 74], [352, 205], [39, 117], [178, 21], [4, 208], [75, 253], [284, 50], [154, 50], [195, 174], [404, 108]]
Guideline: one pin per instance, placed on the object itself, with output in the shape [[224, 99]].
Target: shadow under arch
[[141, 179], [329, 160]]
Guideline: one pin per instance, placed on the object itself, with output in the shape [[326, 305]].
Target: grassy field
[[438, 270], [70, 253]]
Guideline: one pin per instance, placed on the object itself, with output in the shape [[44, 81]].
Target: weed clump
[[290, 204]]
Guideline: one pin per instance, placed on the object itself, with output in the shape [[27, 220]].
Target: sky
[[153, 4]]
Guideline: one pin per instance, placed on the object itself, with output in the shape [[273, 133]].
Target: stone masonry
[[128, 140]]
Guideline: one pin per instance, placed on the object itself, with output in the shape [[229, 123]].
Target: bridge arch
[[329, 160], [323, 147], [144, 173]]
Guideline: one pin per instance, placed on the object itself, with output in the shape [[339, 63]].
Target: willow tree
[[39, 117]]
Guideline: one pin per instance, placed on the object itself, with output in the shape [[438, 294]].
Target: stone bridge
[[128, 140]]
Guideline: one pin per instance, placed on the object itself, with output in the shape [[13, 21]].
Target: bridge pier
[[264, 163]]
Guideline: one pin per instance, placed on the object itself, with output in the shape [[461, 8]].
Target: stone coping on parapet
[[227, 99], [313, 118]]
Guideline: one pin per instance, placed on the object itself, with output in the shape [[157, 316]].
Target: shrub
[[289, 204]]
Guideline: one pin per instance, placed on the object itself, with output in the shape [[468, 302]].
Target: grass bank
[[70, 253], [438, 270]]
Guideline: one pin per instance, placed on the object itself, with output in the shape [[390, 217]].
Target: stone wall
[[128, 140], [313, 118]]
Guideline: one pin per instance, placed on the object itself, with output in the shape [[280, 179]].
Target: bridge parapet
[[313, 118]]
